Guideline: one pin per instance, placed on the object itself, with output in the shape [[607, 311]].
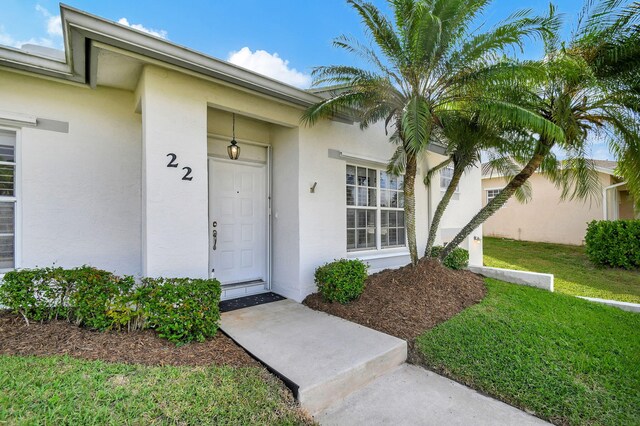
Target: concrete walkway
[[346, 374], [325, 358], [411, 395]]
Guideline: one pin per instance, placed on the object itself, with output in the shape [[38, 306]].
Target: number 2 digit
[[187, 175], [172, 162]]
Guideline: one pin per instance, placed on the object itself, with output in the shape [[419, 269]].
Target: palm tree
[[590, 92], [467, 138], [426, 62]]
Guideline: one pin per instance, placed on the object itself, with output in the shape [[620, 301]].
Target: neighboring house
[[547, 218], [115, 155]]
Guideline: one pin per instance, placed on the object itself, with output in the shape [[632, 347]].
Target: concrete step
[[322, 357], [411, 395]]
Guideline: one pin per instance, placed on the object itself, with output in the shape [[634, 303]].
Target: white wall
[[323, 213], [286, 214], [80, 191]]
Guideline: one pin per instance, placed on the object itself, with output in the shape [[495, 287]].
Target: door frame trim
[[268, 230]]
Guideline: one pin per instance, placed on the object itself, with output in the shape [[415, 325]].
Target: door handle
[[215, 239]]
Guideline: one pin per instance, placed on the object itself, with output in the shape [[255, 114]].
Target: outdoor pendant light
[[233, 150]]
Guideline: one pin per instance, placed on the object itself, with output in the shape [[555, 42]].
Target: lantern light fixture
[[233, 150]]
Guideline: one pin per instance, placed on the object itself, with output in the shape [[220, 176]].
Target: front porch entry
[[239, 225]]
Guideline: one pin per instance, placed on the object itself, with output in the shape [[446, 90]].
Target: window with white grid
[[375, 209], [7, 199], [446, 175], [491, 194]]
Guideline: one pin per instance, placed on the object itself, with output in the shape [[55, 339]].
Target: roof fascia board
[[95, 28]]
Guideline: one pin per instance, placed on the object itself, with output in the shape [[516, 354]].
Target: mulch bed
[[406, 302], [138, 347]]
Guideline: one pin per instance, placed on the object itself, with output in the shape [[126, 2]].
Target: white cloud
[[140, 27], [53, 26], [54, 22], [271, 65], [8, 40]]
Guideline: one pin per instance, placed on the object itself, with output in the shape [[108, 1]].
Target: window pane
[[351, 218], [373, 182], [6, 252], [361, 222], [394, 199], [362, 238], [401, 239], [6, 180], [400, 218], [384, 237], [401, 199], [351, 239], [7, 227], [372, 197], [384, 218], [384, 180], [362, 176], [351, 195], [400, 182], [393, 182], [384, 198], [7, 218], [7, 146], [371, 218], [362, 196], [392, 219], [351, 175], [392, 237]]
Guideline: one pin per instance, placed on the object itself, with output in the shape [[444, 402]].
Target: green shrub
[[341, 281], [614, 243], [180, 309], [37, 294], [457, 259], [98, 297]]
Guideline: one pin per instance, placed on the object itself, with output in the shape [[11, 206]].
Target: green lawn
[[62, 390], [574, 273], [565, 359]]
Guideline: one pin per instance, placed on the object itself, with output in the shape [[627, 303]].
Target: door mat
[[247, 301]]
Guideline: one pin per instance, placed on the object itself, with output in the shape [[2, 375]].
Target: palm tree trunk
[[410, 206], [442, 206], [494, 205]]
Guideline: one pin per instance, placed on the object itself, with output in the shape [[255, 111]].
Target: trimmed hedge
[[614, 243], [457, 259], [179, 309], [342, 280]]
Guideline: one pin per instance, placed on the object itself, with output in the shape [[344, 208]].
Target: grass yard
[[563, 358], [574, 273], [63, 390]]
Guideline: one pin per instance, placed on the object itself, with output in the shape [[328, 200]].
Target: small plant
[[180, 309], [614, 243], [341, 281], [96, 294], [457, 259], [37, 294]]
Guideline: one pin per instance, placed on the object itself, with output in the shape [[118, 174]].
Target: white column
[[175, 199]]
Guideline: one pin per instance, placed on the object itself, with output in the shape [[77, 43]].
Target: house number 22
[[172, 163]]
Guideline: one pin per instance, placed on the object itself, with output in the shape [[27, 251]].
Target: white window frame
[[378, 208], [17, 199], [486, 195], [444, 188]]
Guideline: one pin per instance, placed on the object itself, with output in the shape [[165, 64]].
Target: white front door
[[237, 221]]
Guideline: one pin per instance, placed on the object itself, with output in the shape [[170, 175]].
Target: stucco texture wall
[[80, 191], [546, 218]]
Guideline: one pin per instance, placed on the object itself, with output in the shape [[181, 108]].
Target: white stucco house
[[114, 154]]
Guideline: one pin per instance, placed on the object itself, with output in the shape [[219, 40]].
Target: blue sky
[[282, 38]]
